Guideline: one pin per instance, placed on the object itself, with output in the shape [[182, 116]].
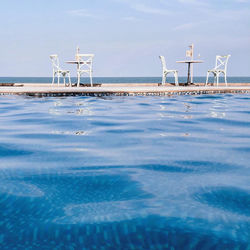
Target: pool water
[[125, 172]]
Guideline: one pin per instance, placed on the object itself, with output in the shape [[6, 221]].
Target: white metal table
[[189, 64]]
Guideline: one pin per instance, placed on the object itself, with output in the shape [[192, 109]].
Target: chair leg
[[166, 78], [163, 81], [225, 76], [214, 79], [69, 80], [78, 79], [53, 79], [217, 78], [91, 81], [64, 80], [176, 79], [207, 79], [58, 79]]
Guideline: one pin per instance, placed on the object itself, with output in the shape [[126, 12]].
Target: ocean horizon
[[182, 79]]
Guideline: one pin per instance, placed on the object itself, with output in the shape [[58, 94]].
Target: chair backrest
[[55, 62], [85, 61], [221, 62], [163, 63]]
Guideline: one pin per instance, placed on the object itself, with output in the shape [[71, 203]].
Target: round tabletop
[[190, 61], [77, 62]]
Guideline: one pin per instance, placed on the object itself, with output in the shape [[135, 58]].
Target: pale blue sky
[[126, 36]]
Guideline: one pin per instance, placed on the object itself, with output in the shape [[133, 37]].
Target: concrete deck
[[121, 89]]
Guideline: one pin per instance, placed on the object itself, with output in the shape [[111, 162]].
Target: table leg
[[78, 78], [188, 79]]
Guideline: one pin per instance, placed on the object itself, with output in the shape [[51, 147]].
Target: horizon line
[[111, 76]]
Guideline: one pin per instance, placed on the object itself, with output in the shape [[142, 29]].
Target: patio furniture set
[[84, 63], [220, 68]]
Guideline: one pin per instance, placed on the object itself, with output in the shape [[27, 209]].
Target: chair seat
[[62, 71], [83, 71], [216, 70], [170, 70]]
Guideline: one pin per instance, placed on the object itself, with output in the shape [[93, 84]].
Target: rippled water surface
[[125, 172]]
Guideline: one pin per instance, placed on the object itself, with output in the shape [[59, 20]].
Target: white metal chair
[[220, 68], [85, 66], [166, 71], [57, 71]]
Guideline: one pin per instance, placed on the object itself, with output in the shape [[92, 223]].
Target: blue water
[[125, 172], [119, 79]]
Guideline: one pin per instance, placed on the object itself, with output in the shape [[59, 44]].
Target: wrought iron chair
[[57, 71], [166, 71], [85, 66], [220, 68]]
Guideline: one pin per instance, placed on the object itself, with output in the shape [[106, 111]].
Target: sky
[[126, 36]]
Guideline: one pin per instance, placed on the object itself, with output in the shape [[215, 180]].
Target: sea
[[182, 79], [134, 172]]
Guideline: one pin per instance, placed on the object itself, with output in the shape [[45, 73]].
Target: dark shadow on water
[[153, 232], [226, 198], [209, 97], [176, 166], [10, 151], [207, 166], [243, 149], [84, 188], [29, 222]]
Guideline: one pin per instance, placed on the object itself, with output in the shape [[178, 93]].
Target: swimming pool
[[125, 172]]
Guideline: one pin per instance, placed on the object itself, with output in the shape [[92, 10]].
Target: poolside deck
[[120, 89]]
